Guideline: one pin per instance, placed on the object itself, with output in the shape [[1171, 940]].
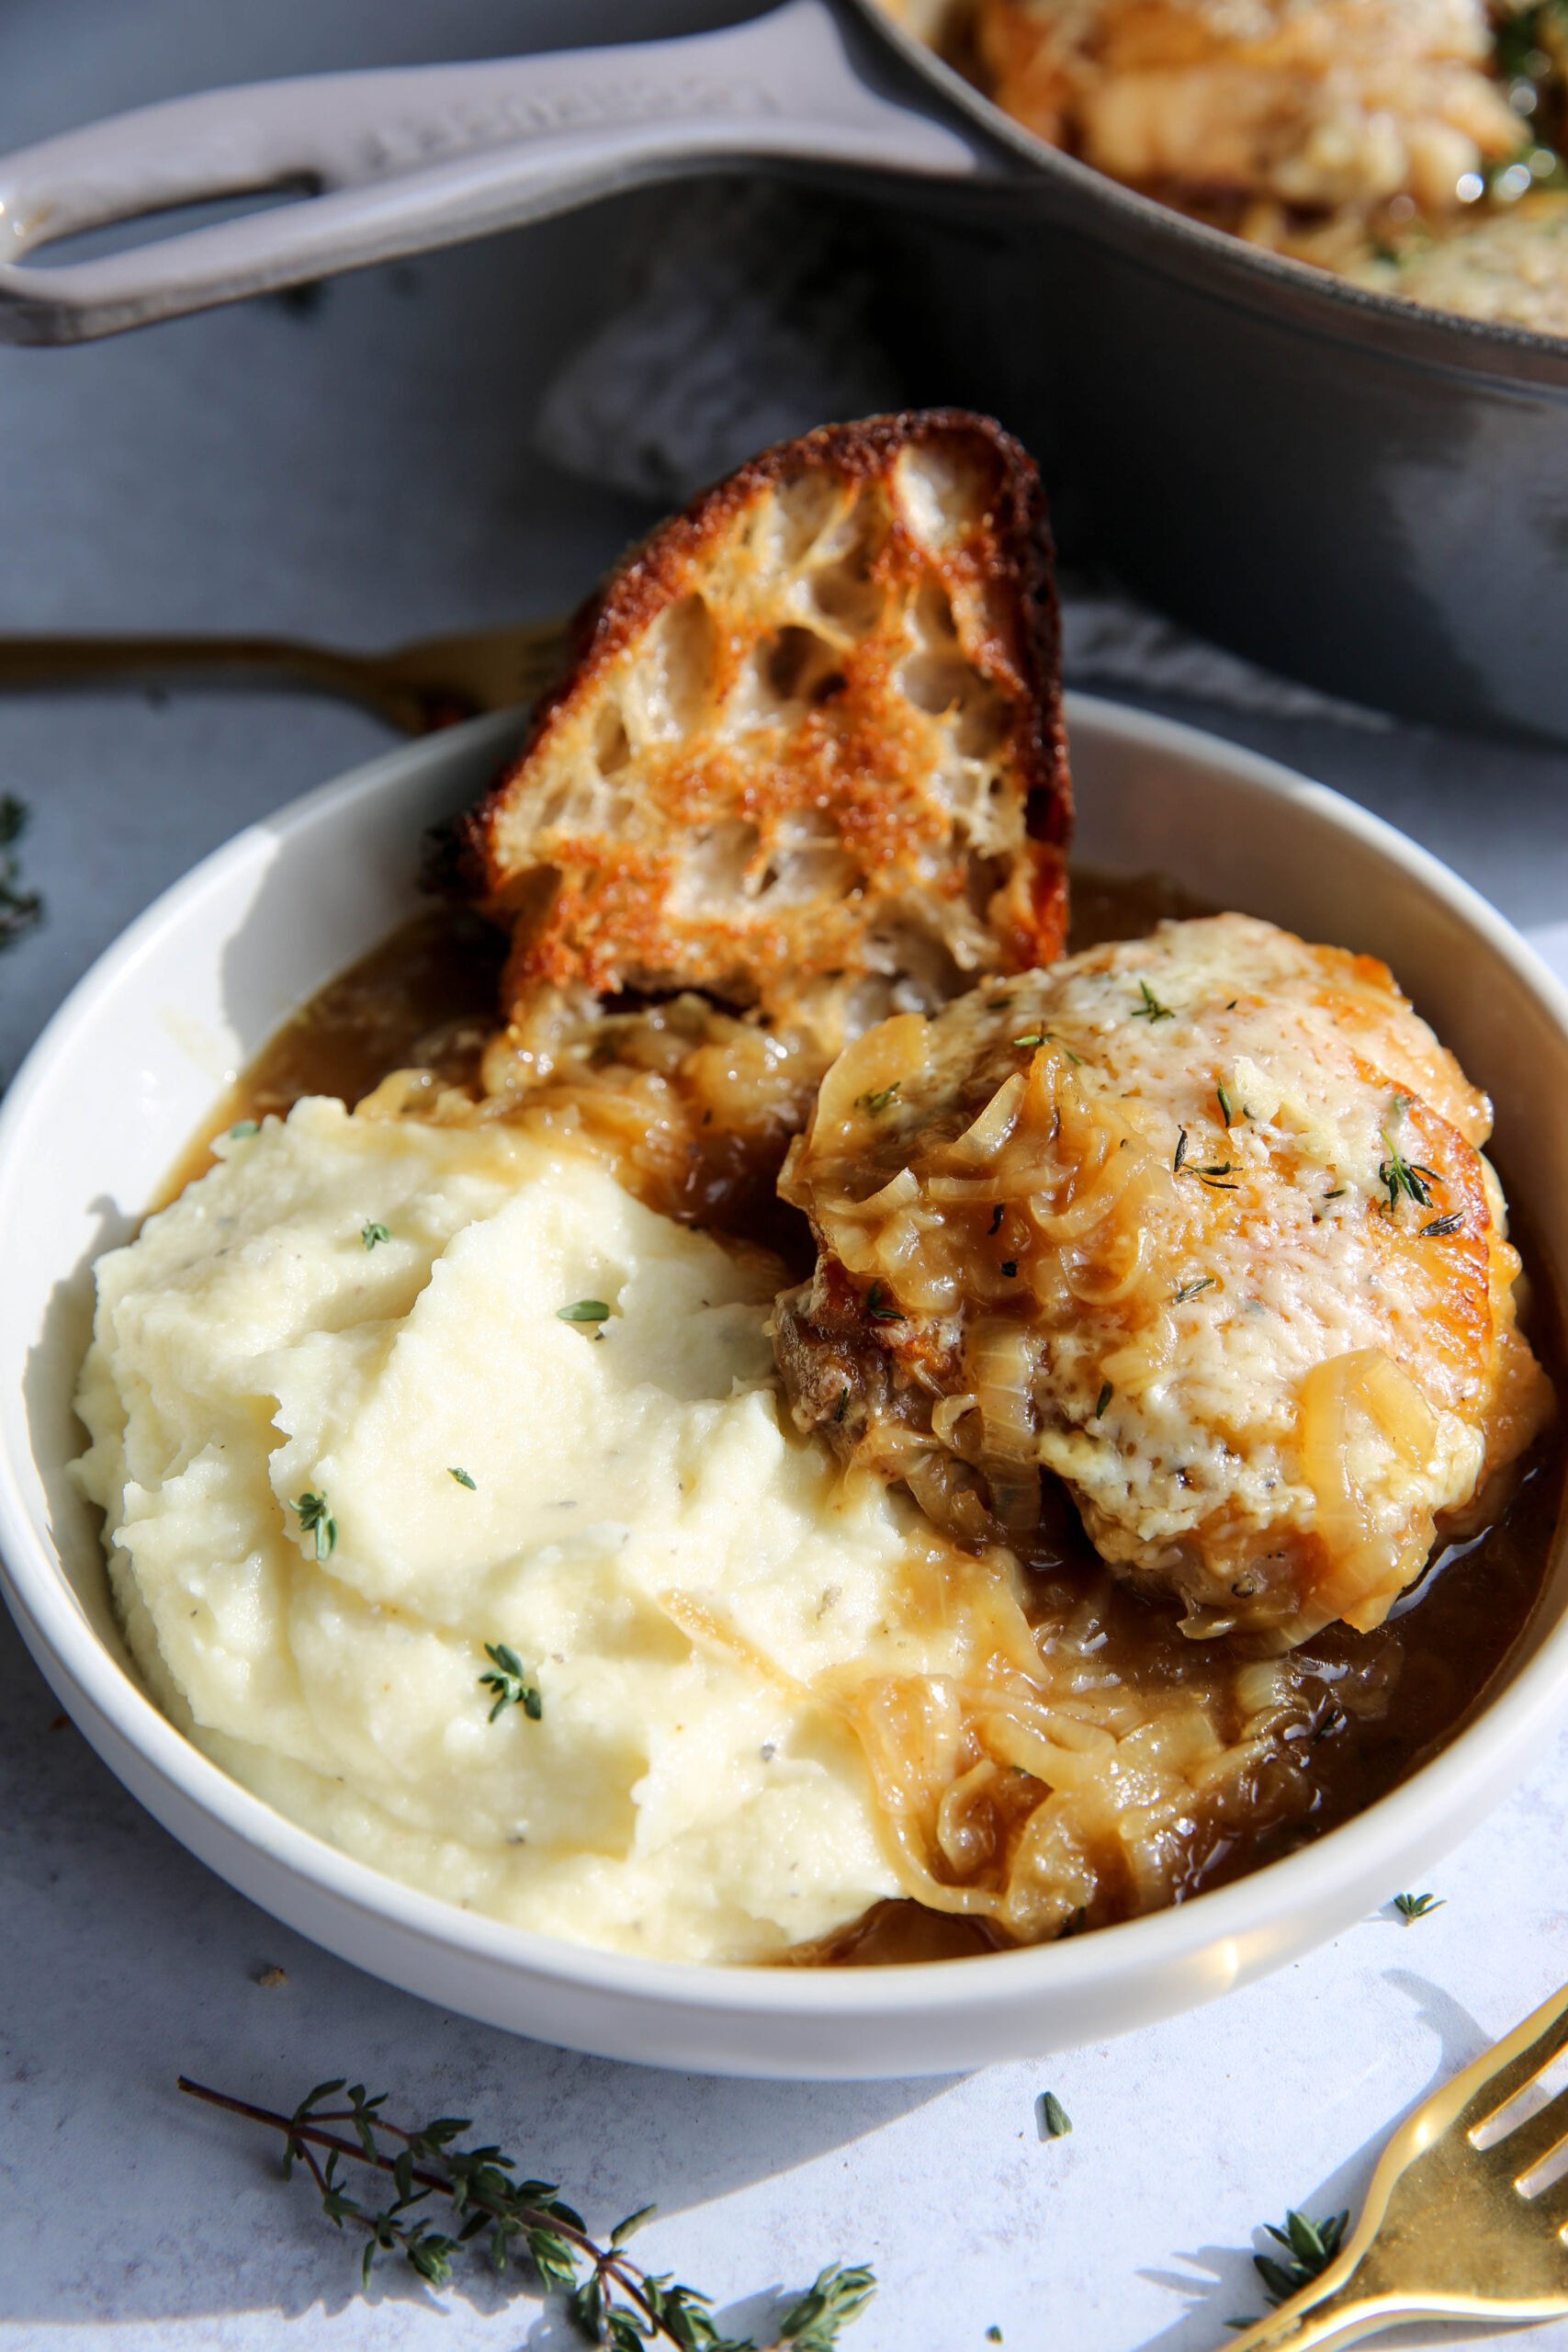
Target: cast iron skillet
[[1362, 493]]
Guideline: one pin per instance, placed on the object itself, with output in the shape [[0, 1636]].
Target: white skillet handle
[[403, 159]]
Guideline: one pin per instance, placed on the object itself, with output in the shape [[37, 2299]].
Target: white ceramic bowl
[[134, 1059]]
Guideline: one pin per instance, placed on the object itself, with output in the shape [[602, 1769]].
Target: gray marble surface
[[361, 468]]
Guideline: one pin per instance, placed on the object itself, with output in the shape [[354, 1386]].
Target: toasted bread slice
[[809, 761]]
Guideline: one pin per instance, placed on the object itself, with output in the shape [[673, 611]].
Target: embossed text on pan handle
[[403, 159]]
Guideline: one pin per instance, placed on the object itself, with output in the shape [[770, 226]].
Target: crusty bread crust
[[808, 757]]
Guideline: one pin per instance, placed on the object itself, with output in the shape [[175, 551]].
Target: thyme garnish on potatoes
[[316, 1519], [510, 1682], [373, 1231], [611, 2300], [584, 1310], [463, 1480]]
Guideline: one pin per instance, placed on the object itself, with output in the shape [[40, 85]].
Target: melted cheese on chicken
[[1316, 102], [1200, 1224]]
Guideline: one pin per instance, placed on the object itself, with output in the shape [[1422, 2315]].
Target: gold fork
[[415, 688], [1447, 2230]]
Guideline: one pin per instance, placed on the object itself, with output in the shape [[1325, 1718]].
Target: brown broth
[[426, 997]]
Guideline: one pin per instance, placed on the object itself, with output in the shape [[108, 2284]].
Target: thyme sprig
[[612, 2300], [1312, 2246], [1151, 1010], [1405, 1176], [21, 911], [316, 1519], [1417, 1906], [510, 1682]]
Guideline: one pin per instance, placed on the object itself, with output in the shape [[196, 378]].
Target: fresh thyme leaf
[[613, 2300], [510, 1682], [1151, 1010], [1441, 1226], [1312, 2246], [1104, 1399], [878, 1099], [878, 1309], [996, 1216], [372, 1232], [584, 1310], [1417, 1906], [1190, 1290], [1227, 1109], [316, 1519], [1054, 2120], [1336, 1194], [244, 1128], [838, 2295], [1403, 1176], [1181, 1153], [623, 2230], [1037, 1039], [463, 1480]]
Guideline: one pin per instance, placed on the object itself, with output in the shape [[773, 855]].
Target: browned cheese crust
[[809, 758]]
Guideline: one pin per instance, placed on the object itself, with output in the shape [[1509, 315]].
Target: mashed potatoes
[[345, 1442], [669, 1567]]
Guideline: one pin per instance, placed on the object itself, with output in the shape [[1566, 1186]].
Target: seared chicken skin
[[1198, 1223], [1316, 104]]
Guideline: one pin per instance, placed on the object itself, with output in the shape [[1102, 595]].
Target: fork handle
[[41, 661], [1346, 2317]]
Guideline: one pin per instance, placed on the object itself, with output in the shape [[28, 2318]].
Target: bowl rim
[[67, 1648]]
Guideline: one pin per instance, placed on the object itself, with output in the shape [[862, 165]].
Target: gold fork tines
[[1447, 2231], [415, 687]]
